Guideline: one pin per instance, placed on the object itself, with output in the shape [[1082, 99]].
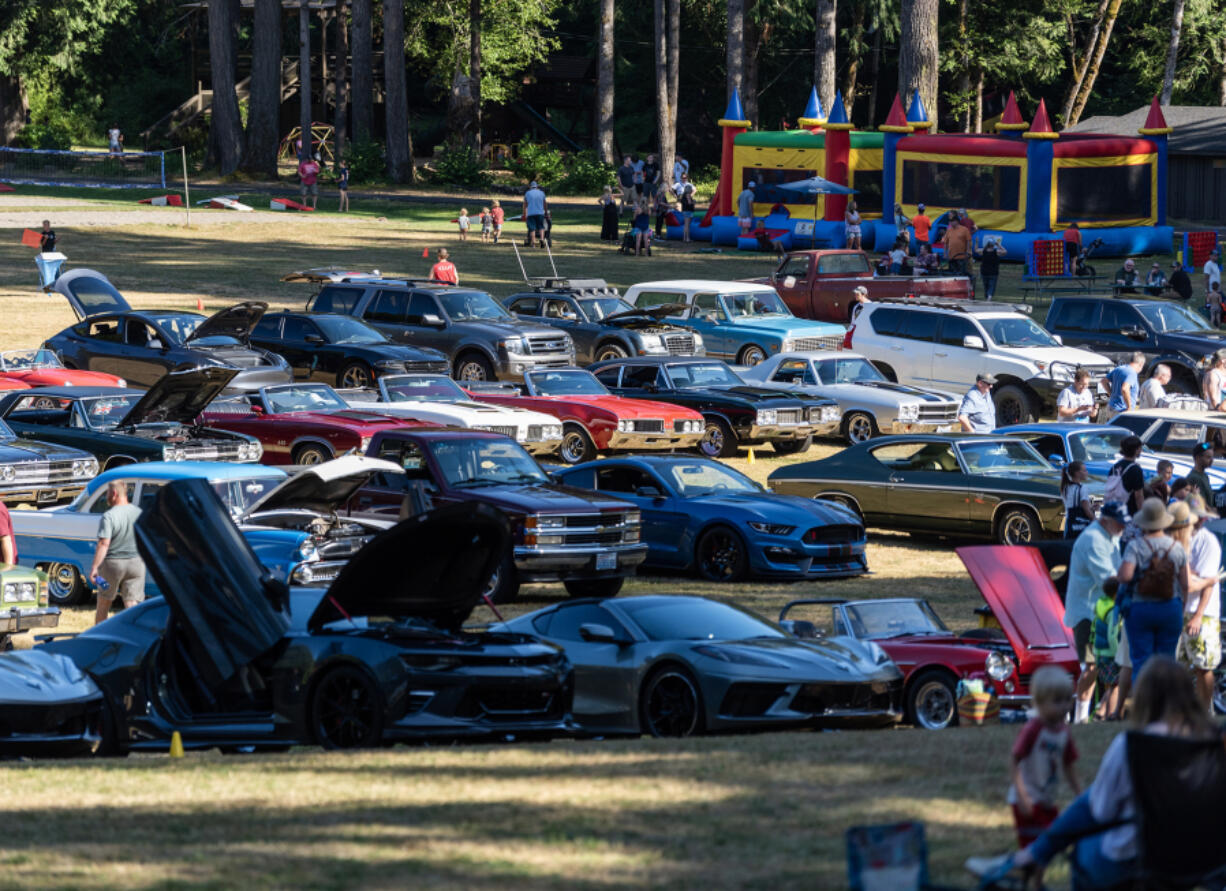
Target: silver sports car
[[676, 666]]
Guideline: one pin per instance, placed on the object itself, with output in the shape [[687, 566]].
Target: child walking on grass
[[487, 225], [464, 223]]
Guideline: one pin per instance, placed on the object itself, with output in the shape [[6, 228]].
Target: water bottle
[[100, 583]]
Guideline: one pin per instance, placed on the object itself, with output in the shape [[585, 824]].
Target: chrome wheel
[[311, 455], [610, 351], [576, 447], [671, 704], [346, 710], [1018, 527], [859, 427], [753, 355], [720, 555], [356, 376], [473, 368], [718, 440], [64, 585], [933, 705]]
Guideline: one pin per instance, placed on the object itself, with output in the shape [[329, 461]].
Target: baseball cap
[[532, 185], [1202, 447], [920, 206], [751, 184], [984, 377], [1113, 510]]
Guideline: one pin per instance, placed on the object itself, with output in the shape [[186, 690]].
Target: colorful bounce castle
[[1023, 184]]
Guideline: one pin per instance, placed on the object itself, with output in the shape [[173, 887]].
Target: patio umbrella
[[817, 185]]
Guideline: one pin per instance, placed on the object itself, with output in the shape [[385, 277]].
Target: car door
[[792, 281], [388, 310], [927, 488], [302, 345], [1179, 438], [564, 313], [1076, 322], [387, 493], [1121, 329], [706, 316], [911, 349], [954, 365], [606, 674], [665, 520], [430, 326]]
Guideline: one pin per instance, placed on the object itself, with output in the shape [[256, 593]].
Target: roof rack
[[581, 286], [959, 304]]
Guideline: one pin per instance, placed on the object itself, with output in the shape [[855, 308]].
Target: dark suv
[[1165, 331], [601, 323], [482, 341]]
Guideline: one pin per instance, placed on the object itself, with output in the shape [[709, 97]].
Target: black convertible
[[231, 658]]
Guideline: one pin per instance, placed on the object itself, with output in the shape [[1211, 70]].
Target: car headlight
[[772, 528], [909, 412], [830, 414], [788, 345], [766, 418], [28, 590], [172, 453], [364, 444], [552, 431], [651, 342], [515, 345], [390, 365], [302, 575], [1205, 362], [121, 383], [738, 656], [998, 666], [539, 523], [308, 552], [625, 426], [8, 472], [10, 593]]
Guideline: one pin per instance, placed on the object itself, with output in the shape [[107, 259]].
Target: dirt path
[[28, 212]]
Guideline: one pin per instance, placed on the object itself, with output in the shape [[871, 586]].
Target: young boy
[[464, 223], [1042, 751], [1106, 640], [487, 225], [497, 215]]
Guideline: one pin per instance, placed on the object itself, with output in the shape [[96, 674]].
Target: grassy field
[[722, 812]]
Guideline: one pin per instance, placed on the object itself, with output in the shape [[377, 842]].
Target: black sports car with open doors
[[230, 657]]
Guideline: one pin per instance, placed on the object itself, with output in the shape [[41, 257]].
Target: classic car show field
[[719, 812]]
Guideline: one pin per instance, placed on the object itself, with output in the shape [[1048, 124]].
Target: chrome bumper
[[319, 573], [16, 619], [542, 446], [798, 431], [42, 494], [513, 367], [923, 426], [654, 440], [541, 562]]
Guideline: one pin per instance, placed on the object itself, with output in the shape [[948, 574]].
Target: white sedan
[[868, 402], [438, 399]]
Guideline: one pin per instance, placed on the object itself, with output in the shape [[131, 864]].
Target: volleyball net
[[108, 170]]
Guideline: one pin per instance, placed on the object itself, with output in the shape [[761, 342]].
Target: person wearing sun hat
[[1155, 620]]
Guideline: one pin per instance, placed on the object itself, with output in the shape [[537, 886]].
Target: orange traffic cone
[[199, 305], [425, 253]]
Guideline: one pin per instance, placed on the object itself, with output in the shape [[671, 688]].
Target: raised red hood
[[621, 407], [1014, 581], [59, 377]]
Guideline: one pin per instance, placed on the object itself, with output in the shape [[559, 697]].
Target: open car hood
[[227, 607], [323, 488], [1016, 584], [663, 311], [238, 321], [433, 566], [179, 396]]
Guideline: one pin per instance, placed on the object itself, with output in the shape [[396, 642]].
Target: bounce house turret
[[894, 129], [917, 115], [733, 124], [838, 156], [814, 115], [1157, 131], [1011, 122], [1039, 155]]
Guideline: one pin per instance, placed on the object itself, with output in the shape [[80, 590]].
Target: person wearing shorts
[[308, 173], [1200, 643], [116, 560], [497, 215], [534, 215]]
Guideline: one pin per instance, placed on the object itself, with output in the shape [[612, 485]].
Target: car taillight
[[847, 337]]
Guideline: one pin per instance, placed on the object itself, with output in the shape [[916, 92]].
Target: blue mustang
[[700, 514]]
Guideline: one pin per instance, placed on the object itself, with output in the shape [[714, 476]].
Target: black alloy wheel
[[1013, 406], [720, 555], [356, 376], [345, 710], [792, 446], [670, 704], [503, 585]]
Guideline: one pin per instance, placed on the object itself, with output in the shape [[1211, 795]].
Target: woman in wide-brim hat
[[1155, 620]]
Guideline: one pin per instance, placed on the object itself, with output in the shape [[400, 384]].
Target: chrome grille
[[505, 431], [802, 344], [585, 530], [939, 413], [44, 472], [539, 344], [209, 451], [791, 416], [679, 344], [648, 425], [426, 366], [592, 519]]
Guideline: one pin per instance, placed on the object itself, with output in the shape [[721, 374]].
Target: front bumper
[[788, 558], [542, 446], [16, 620], [922, 426], [551, 564], [662, 440], [765, 703], [50, 494], [789, 432], [512, 367], [55, 729]]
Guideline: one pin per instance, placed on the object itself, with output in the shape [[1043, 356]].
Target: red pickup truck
[[819, 284]]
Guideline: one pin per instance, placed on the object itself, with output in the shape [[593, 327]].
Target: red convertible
[[593, 419], [1015, 582], [43, 368], [301, 423]]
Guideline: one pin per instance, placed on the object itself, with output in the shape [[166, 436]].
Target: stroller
[[627, 246], [1081, 267]]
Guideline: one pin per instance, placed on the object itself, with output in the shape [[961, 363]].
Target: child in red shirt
[[444, 270], [497, 215]]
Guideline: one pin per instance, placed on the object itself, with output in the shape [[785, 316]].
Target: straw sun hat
[[1153, 516]]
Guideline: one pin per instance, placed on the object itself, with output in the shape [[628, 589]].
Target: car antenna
[[549, 251], [520, 261]]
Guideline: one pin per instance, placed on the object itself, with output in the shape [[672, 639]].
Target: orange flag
[[31, 238]]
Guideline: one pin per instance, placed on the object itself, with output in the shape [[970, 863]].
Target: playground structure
[[1023, 184]]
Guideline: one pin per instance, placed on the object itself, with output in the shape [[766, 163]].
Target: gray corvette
[[676, 666]]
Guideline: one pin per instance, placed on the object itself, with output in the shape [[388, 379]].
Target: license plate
[[47, 495], [945, 428], [606, 561]]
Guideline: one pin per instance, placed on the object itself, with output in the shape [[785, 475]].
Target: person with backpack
[[1157, 567], [1078, 509], [1126, 481], [1093, 562]]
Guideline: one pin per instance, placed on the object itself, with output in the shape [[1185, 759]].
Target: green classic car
[[23, 603], [994, 487]]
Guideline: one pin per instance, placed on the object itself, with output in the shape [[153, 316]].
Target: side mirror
[[430, 320], [1056, 460], [648, 492], [1134, 332], [314, 339], [973, 342], [594, 633]]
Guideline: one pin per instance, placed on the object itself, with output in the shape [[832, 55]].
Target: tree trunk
[[874, 68], [1221, 87], [604, 84], [964, 73], [304, 74], [674, 77], [1078, 67], [979, 101], [362, 102], [856, 41], [823, 63], [474, 71], [735, 51], [917, 52], [1168, 78], [226, 126], [663, 107], [752, 44], [263, 112], [341, 85], [1095, 62], [395, 91]]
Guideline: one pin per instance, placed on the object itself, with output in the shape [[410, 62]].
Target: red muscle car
[[1015, 582], [301, 423], [43, 368], [593, 419]]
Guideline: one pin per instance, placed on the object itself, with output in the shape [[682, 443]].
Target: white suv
[[946, 343]]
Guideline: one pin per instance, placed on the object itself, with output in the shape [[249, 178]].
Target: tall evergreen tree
[[304, 74], [604, 83], [918, 52], [226, 126], [362, 102], [264, 110], [395, 92]]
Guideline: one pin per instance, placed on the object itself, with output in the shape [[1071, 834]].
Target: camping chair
[[892, 857]]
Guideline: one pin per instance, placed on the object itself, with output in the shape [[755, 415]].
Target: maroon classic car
[[1015, 582], [301, 423]]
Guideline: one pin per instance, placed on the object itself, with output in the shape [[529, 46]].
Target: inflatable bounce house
[[1026, 183]]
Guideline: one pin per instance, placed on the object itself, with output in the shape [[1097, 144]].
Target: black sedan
[[230, 658], [677, 666], [142, 345], [340, 350]]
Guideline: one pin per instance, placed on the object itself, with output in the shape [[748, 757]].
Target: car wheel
[[345, 710], [842, 501], [599, 588], [503, 586], [792, 446], [931, 701], [65, 587], [611, 351], [1018, 525], [1014, 406], [577, 446], [751, 355], [720, 555], [356, 376], [311, 453], [473, 367], [718, 440], [858, 427], [1183, 383], [670, 704]]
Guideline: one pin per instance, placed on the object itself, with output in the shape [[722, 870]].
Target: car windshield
[[1096, 445], [105, 412], [695, 619], [597, 308], [27, 360], [1164, 317], [1010, 456], [314, 397], [406, 388], [467, 306], [240, 494], [694, 477], [703, 374], [343, 329], [893, 618], [179, 326], [856, 370], [755, 303], [1017, 331], [574, 382], [485, 462]]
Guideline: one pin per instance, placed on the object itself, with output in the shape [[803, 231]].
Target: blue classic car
[[290, 522], [700, 514], [740, 322]]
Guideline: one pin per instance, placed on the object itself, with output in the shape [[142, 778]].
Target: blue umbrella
[[817, 185]]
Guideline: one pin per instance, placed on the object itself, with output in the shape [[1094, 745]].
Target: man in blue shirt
[[977, 414], [1095, 558], [1125, 387], [534, 214]]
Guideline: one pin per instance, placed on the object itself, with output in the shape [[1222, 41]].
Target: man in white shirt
[[1076, 402], [1213, 272], [680, 166], [1200, 644], [1153, 391]]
